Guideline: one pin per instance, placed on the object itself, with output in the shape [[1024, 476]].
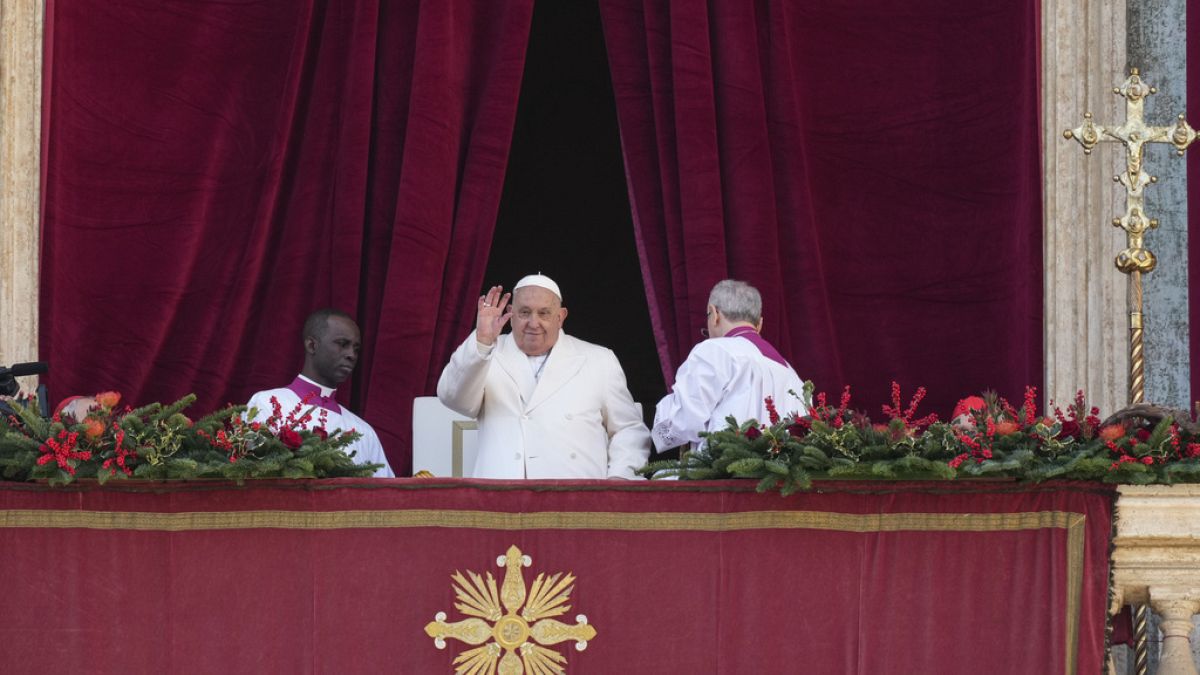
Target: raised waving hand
[[493, 312]]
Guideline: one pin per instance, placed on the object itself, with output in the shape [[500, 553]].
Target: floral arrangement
[[159, 442], [992, 438]]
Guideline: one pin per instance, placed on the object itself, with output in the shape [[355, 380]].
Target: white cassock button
[[568, 416], [518, 456], [572, 455], [524, 417]]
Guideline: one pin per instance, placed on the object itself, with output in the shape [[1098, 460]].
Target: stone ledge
[[1157, 545]]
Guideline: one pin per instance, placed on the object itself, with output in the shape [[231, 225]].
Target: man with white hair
[[548, 405], [731, 373]]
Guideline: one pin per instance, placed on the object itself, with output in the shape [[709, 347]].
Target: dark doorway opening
[[565, 209]]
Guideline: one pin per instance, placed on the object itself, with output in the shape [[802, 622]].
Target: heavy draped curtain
[[215, 171], [872, 166]]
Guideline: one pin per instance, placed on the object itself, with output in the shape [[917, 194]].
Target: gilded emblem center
[[514, 621], [511, 631]]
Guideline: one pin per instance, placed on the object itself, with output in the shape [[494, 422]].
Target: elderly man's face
[[537, 319], [334, 353]]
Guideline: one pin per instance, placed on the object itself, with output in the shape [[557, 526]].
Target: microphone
[[23, 369], [8, 385]]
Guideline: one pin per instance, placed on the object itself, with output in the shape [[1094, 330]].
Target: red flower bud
[[290, 438]]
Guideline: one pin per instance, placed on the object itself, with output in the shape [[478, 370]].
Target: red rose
[[1070, 429], [320, 431], [753, 433], [799, 427], [290, 438], [1142, 435]]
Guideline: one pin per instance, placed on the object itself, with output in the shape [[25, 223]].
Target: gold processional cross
[[1136, 259]]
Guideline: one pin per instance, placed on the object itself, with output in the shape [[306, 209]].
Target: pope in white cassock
[[548, 405], [731, 373], [331, 345]]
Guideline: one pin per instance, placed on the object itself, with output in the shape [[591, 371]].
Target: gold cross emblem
[[507, 618], [1134, 134]]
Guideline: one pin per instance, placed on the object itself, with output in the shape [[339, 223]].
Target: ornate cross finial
[[1136, 259]]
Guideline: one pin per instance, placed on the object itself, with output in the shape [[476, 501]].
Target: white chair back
[[444, 442]]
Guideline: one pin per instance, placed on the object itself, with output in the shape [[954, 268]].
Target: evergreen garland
[[159, 442], [997, 440]]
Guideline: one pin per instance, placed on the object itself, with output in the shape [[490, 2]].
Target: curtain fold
[[215, 171], [871, 166]]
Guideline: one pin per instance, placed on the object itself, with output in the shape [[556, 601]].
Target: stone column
[[1156, 44], [1176, 611], [1157, 47], [1083, 58], [20, 173]]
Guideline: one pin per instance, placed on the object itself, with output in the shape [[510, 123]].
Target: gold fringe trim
[[539, 520]]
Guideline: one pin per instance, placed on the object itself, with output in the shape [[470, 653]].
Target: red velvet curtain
[[215, 171], [872, 166]]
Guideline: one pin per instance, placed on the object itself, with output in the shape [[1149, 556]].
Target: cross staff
[[1136, 259]]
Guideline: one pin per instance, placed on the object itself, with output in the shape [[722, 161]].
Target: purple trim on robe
[[310, 394], [757, 340]]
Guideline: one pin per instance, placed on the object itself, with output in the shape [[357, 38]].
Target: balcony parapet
[[1156, 560]]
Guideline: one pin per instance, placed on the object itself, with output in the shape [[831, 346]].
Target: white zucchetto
[[541, 281]]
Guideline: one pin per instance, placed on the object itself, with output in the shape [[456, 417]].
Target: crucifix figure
[[1136, 259]]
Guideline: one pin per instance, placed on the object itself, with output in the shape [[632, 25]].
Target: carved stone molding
[[1156, 560]]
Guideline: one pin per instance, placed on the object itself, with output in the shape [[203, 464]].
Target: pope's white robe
[[367, 449], [577, 420], [722, 377]]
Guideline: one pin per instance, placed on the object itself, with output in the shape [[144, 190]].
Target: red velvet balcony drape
[[215, 171], [872, 166], [343, 576]]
